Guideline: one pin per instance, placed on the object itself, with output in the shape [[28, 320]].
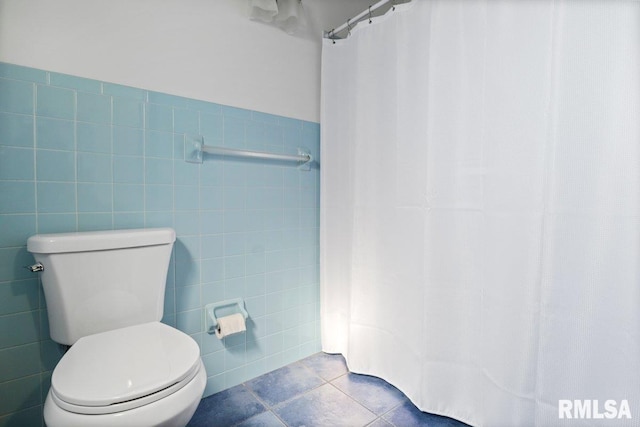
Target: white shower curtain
[[480, 206]]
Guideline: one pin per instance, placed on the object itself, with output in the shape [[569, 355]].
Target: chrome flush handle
[[35, 267]]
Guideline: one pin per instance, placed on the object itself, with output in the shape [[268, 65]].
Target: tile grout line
[[393, 408], [265, 404], [35, 154], [389, 411], [325, 382], [357, 402], [296, 396], [271, 408]]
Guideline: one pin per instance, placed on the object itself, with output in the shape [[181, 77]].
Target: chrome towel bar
[[194, 149]]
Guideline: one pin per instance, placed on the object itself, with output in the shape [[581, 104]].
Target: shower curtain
[[480, 208]]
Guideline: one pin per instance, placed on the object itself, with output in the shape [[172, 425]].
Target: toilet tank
[[103, 280]]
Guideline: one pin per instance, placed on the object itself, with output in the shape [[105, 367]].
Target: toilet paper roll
[[228, 325]]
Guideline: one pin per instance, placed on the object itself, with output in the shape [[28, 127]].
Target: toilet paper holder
[[227, 307]]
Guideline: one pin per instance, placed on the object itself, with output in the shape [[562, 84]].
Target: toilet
[[105, 298]]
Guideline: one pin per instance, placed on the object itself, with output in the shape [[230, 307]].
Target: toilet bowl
[[143, 375], [105, 298]]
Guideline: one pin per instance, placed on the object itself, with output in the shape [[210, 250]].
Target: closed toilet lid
[[124, 364]]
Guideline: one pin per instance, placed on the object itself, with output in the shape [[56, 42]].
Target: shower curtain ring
[[348, 27], [393, 6], [370, 15], [332, 35]]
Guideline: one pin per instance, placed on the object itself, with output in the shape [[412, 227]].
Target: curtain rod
[[351, 22]]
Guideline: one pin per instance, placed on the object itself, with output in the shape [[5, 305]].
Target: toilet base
[[174, 410]]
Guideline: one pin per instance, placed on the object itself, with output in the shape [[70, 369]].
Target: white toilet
[[105, 297]]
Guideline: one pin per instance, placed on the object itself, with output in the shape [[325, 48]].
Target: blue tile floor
[[317, 391]]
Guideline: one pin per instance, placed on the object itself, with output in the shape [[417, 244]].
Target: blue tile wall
[[78, 154]]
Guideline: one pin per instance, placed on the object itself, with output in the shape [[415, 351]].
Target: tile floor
[[317, 391]]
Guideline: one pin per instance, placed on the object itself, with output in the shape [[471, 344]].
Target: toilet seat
[[123, 369]]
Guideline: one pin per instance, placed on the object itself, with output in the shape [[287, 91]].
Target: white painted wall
[[203, 49]]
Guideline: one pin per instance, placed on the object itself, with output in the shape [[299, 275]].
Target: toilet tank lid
[[99, 240]]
